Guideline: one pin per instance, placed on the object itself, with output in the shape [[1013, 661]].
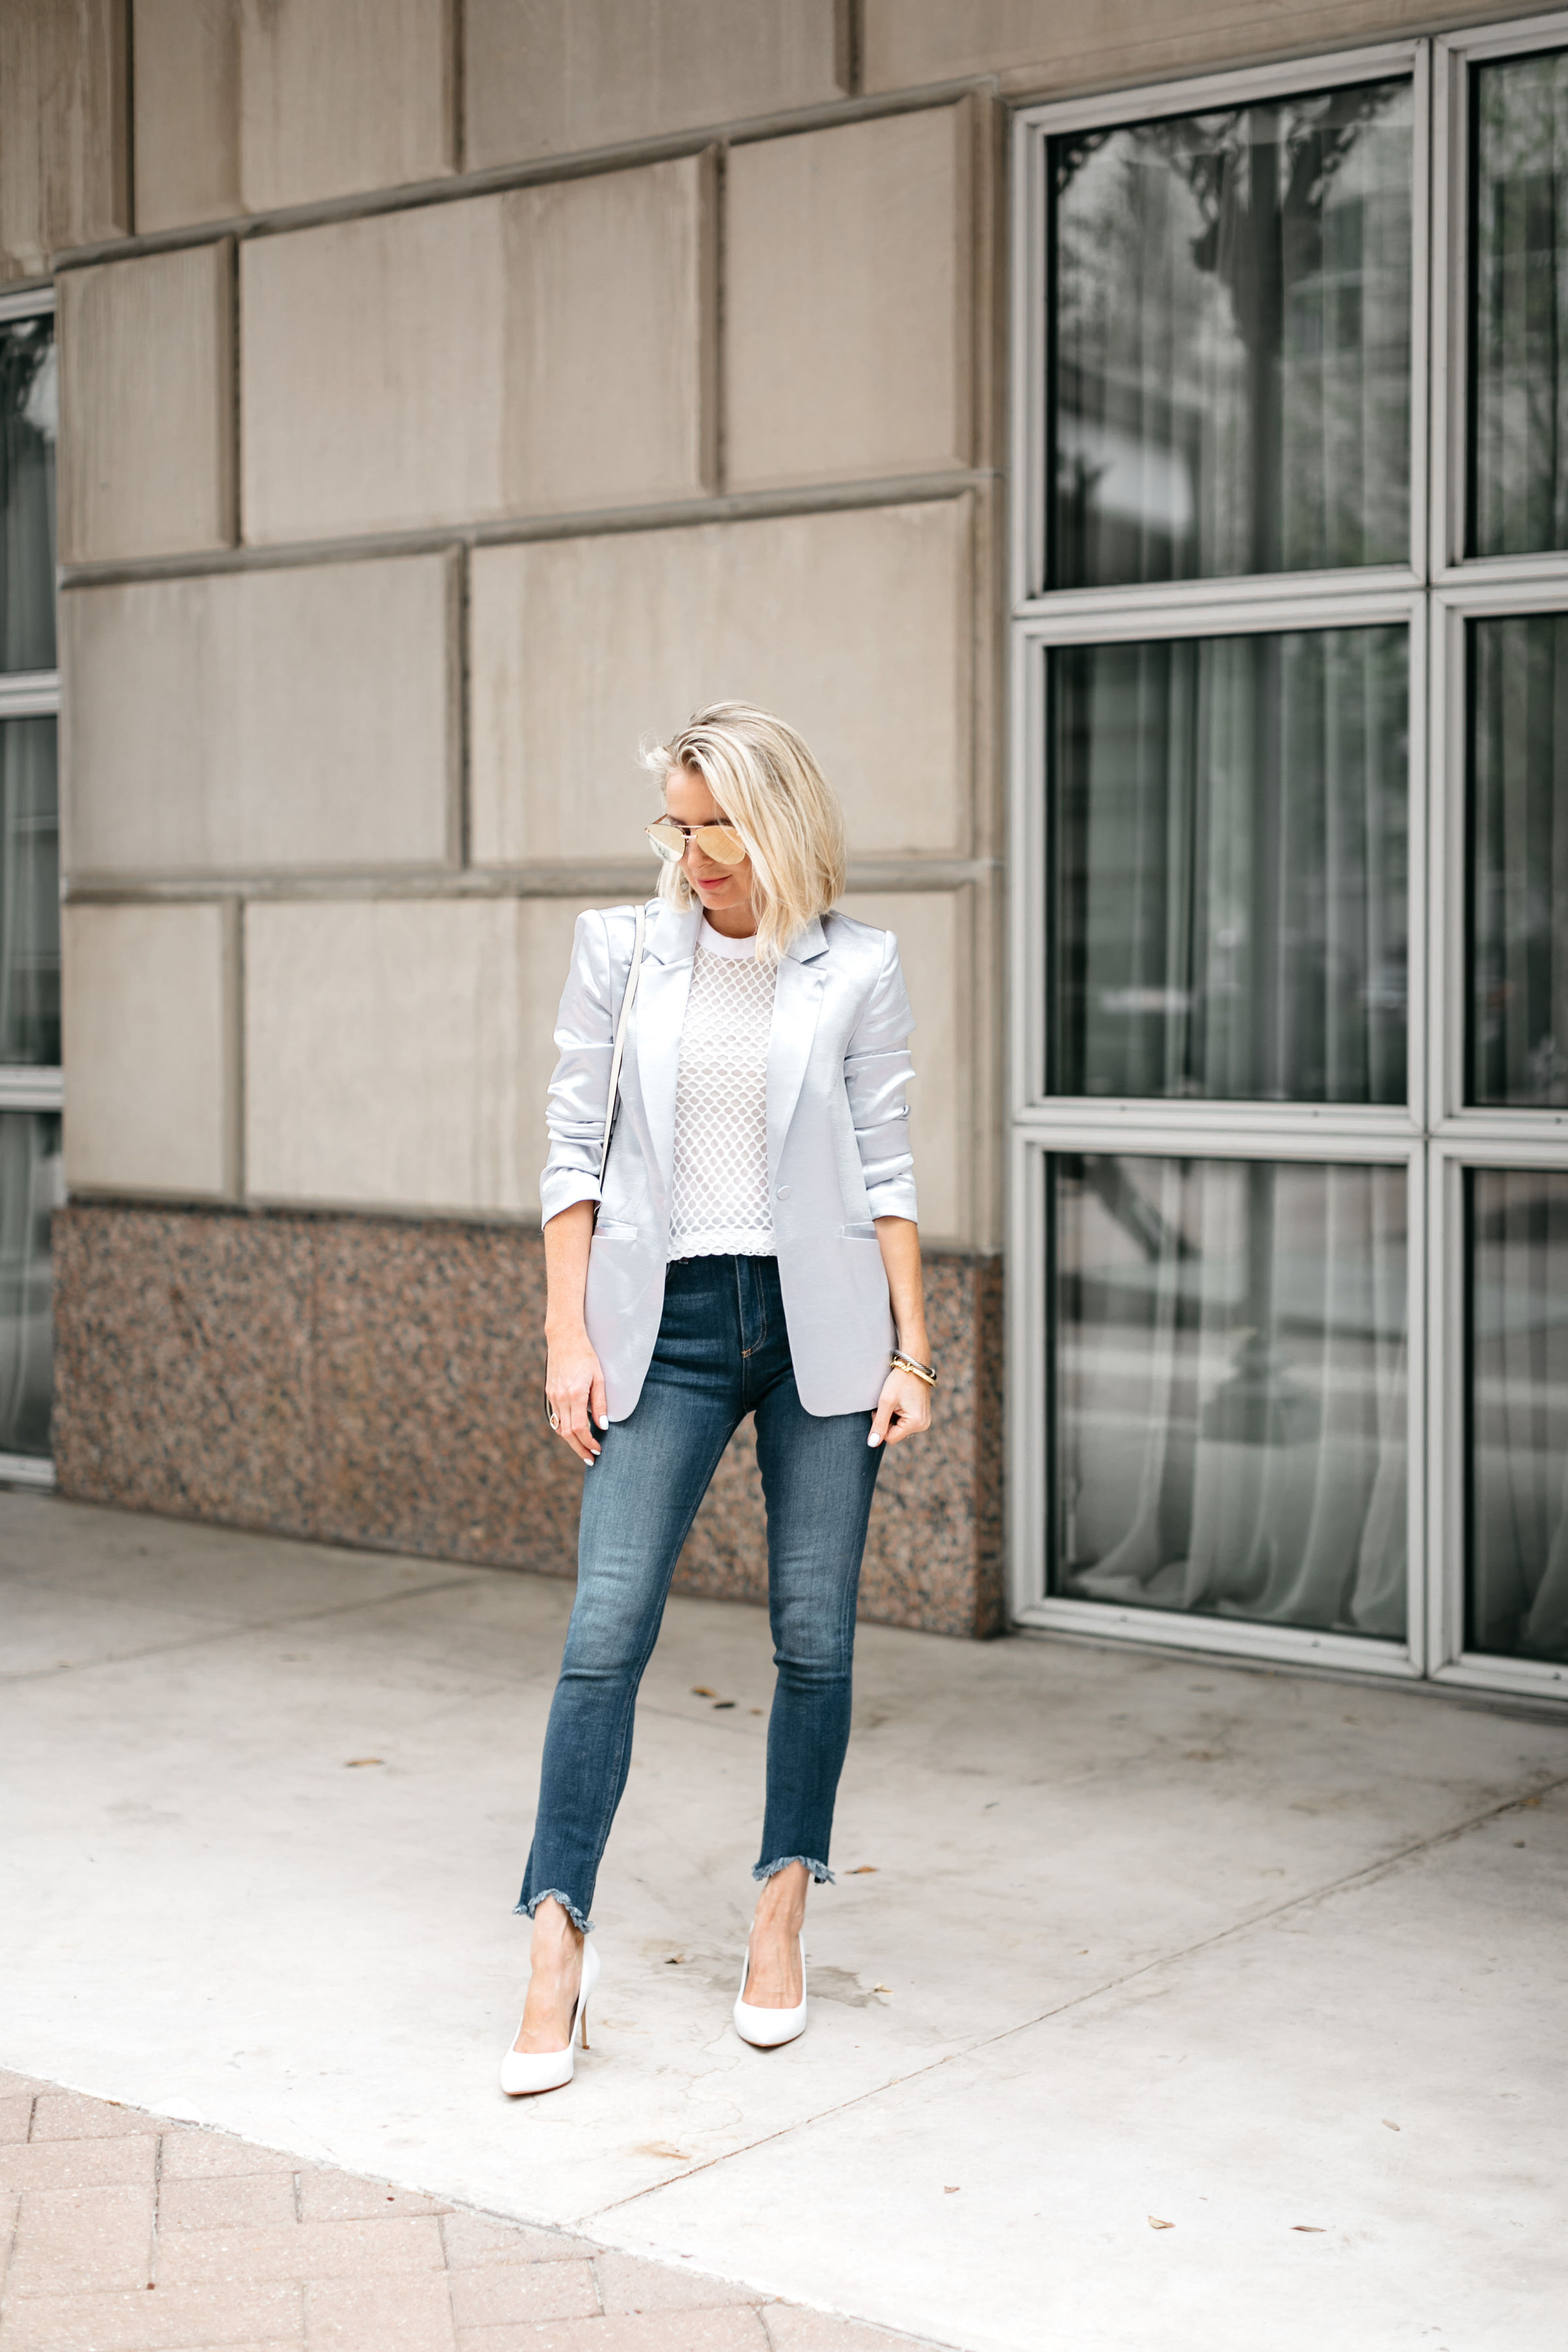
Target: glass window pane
[[1517, 1583], [1229, 371], [29, 409], [1518, 870], [1518, 497], [29, 894], [31, 1188], [1230, 1376], [1230, 845]]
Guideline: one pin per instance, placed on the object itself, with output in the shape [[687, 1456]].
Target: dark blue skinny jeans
[[723, 1352]]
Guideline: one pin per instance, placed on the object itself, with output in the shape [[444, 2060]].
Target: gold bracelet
[[902, 1363]]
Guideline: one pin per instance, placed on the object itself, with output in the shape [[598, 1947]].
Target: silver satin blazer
[[838, 1147]]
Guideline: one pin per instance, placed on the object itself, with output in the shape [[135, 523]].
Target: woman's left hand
[[903, 1408]]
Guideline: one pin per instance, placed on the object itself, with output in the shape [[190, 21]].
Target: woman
[[752, 1248]]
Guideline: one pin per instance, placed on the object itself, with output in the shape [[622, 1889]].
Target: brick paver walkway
[[120, 2232]]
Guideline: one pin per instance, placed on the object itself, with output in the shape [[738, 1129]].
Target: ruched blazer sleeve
[[877, 1071], [584, 1044]]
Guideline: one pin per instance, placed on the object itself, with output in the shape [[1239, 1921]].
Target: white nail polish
[[873, 1439]]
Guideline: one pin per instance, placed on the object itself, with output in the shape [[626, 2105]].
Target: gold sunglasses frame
[[699, 834]]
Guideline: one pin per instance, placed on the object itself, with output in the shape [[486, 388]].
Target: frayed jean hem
[[584, 1924], [819, 1871]]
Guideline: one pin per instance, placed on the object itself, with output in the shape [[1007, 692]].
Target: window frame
[[30, 694], [1435, 1136]]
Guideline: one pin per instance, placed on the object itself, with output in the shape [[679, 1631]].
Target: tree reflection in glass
[[29, 412], [1230, 342], [1519, 489]]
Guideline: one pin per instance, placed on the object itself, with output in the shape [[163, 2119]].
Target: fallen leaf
[[700, 1690], [756, 1710], [862, 1870], [721, 1703], [354, 1761], [1154, 2224], [1389, 2126], [675, 1960], [952, 2191], [1309, 2230], [881, 1988]]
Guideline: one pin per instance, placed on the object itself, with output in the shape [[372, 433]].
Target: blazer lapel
[[655, 1022], [797, 997]]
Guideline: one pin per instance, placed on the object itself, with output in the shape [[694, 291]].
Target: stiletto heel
[[766, 2029], [526, 2071]]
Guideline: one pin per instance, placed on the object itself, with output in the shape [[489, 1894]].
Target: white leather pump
[[524, 2070], [765, 2028]]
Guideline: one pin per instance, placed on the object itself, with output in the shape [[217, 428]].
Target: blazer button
[[784, 1192]]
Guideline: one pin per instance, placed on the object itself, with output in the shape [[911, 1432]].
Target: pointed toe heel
[[768, 2028], [524, 2072]]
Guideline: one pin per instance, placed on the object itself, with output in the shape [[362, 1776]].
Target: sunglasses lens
[[722, 844], [669, 842]]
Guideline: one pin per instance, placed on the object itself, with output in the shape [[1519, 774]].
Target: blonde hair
[[771, 789]]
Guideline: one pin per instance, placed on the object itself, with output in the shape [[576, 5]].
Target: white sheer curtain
[[1518, 1414], [1232, 1389], [1231, 820]]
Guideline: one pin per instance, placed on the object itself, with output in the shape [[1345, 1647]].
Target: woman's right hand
[[574, 1385]]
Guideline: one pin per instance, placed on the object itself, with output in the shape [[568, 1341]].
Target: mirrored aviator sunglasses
[[721, 842]]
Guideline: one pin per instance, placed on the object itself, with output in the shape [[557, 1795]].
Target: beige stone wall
[[458, 394]]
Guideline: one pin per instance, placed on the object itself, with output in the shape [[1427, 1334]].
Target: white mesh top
[[718, 1194]]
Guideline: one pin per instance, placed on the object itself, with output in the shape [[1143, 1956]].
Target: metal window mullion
[[30, 694], [1089, 608], [1450, 1159], [1206, 93], [1256, 608]]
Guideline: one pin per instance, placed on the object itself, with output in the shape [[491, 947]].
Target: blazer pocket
[[613, 1232], [858, 1233]]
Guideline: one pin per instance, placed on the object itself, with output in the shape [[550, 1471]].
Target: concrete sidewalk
[[1160, 2004]]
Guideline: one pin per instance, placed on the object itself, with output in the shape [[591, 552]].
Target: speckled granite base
[[378, 1382]]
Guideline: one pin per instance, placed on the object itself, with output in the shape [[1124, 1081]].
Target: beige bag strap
[[613, 1104]]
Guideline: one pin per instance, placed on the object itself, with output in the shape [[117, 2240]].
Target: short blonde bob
[[771, 789]]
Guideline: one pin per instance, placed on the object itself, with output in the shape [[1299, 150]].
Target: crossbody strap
[[612, 1101]]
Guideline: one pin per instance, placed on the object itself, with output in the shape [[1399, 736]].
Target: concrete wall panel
[[847, 302], [934, 933], [147, 405], [1059, 45], [186, 99], [338, 96], [148, 1007], [65, 127], [291, 720], [555, 77], [855, 626], [541, 350], [397, 1051]]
